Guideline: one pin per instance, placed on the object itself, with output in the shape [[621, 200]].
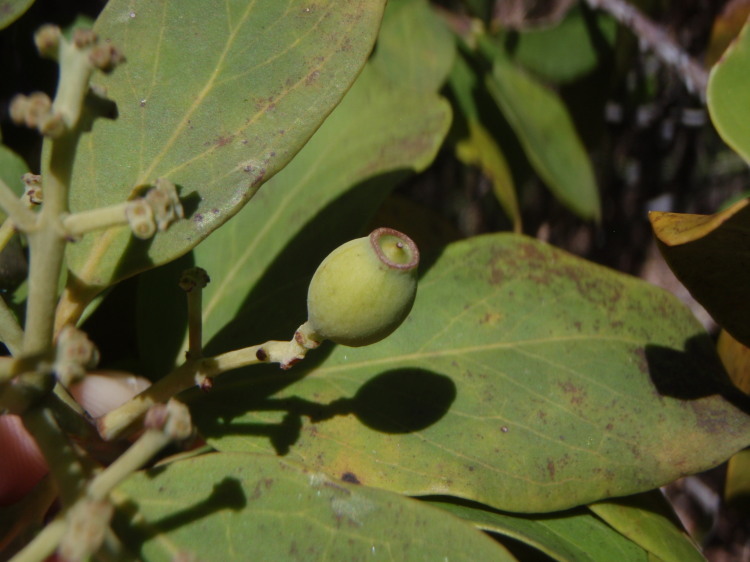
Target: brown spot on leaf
[[261, 487], [259, 177], [223, 140], [350, 477], [551, 469], [491, 318], [312, 77]]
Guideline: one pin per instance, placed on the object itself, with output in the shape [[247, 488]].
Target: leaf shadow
[[397, 402], [692, 373], [226, 494]]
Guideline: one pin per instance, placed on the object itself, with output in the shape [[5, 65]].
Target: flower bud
[[364, 289]]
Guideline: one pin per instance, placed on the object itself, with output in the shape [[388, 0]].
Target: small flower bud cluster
[[140, 218], [173, 418], [75, 354], [33, 188], [103, 56], [35, 111], [106, 57], [159, 208], [47, 41]]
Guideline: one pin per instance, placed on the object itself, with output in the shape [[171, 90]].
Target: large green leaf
[[546, 132], [322, 198], [525, 378], [252, 507], [570, 536], [710, 255], [728, 87], [478, 147], [402, 132], [216, 98]]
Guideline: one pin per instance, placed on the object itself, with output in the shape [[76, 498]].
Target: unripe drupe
[[364, 289]]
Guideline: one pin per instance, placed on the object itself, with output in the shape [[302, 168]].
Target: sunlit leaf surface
[[216, 97], [251, 507], [525, 378]]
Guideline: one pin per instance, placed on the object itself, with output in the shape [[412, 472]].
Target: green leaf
[[547, 134], [728, 87], [11, 10], [567, 50], [12, 169], [479, 148], [309, 208], [307, 203], [252, 507], [415, 49], [525, 378], [709, 255], [575, 535], [13, 263], [217, 98], [648, 520]]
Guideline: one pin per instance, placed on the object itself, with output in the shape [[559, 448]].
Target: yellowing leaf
[[710, 255]]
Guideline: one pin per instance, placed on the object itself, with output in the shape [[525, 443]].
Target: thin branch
[[287, 353], [95, 219], [656, 38], [22, 217]]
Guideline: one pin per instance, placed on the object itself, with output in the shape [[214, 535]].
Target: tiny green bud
[[364, 289]]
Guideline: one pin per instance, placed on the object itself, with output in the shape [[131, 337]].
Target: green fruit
[[364, 289]]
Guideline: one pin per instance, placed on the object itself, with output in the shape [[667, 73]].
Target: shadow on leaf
[[227, 494], [398, 401], [693, 373]]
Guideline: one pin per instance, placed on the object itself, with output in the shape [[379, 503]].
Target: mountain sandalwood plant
[[301, 390]]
